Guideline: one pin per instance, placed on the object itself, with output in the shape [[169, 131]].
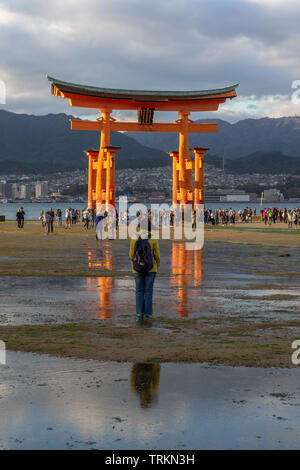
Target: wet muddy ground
[[235, 302], [57, 403], [223, 279], [228, 303]]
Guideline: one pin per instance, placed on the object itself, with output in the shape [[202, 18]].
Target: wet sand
[[235, 302], [30, 252], [58, 403]]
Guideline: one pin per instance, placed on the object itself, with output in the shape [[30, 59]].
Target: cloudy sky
[[152, 44]]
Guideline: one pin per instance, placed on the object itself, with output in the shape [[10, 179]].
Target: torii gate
[[102, 183]]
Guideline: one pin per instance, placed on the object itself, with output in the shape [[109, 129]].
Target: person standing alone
[[20, 217], [51, 220], [145, 260]]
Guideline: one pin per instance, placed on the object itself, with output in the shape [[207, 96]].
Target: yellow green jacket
[[155, 254]]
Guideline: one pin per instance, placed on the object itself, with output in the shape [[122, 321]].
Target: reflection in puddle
[[144, 381], [102, 257], [59, 403], [105, 286], [186, 271], [221, 279]]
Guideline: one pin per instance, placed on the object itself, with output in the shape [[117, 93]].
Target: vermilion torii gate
[[102, 162]]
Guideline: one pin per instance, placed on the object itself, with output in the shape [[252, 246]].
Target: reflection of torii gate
[[145, 102], [186, 270]]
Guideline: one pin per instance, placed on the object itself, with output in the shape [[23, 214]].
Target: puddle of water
[[56, 403], [219, 280]]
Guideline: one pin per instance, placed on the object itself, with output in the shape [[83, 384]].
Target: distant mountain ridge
[[245, 137], [258, 162], [46, 144]]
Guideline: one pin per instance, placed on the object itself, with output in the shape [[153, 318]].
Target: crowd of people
[[268, 216], [291, 217], [71, 217], [162, 218]]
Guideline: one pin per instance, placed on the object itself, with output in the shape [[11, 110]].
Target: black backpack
[[142, 256]]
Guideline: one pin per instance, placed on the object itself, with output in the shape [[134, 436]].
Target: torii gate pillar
[[110, 166], [185, 164], [92, 177], [101, 173], [199, 174], [175, 155]]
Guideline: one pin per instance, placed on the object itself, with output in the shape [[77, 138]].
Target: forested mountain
[[236, 140], [46, 144], [258, 162]]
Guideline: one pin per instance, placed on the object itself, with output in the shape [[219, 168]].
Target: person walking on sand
[[101, 219], [68, 217], [51, 219], [145, 260], [58, 216], [42, 218], [20, 217], [47, 222], [86, 219]]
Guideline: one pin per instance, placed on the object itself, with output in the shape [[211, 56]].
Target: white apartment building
[[41, 189]]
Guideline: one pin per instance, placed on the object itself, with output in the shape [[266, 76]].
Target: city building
[[24, 191], [41, 189], [273, 195]]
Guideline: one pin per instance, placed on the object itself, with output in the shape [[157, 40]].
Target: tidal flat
[[234, 302]]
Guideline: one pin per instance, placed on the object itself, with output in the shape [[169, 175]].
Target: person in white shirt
[[68, 217]]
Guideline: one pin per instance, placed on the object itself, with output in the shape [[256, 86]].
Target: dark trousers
[[144, 293], [50, 226]]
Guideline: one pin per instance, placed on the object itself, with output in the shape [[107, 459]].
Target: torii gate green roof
[[115, 93]]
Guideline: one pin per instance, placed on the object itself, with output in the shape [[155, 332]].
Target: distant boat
[[3, 200]]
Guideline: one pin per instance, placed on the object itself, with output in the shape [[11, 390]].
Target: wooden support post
[[101, 173], [92, 177], [175, 155], [94, 180], [199, 174], [90, 187], [110, 192], [185, 173]]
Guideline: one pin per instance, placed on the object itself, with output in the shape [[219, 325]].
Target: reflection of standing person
[[140, 253], [144, 381]]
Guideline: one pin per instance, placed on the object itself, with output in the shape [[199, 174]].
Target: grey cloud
[[173, 44]]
